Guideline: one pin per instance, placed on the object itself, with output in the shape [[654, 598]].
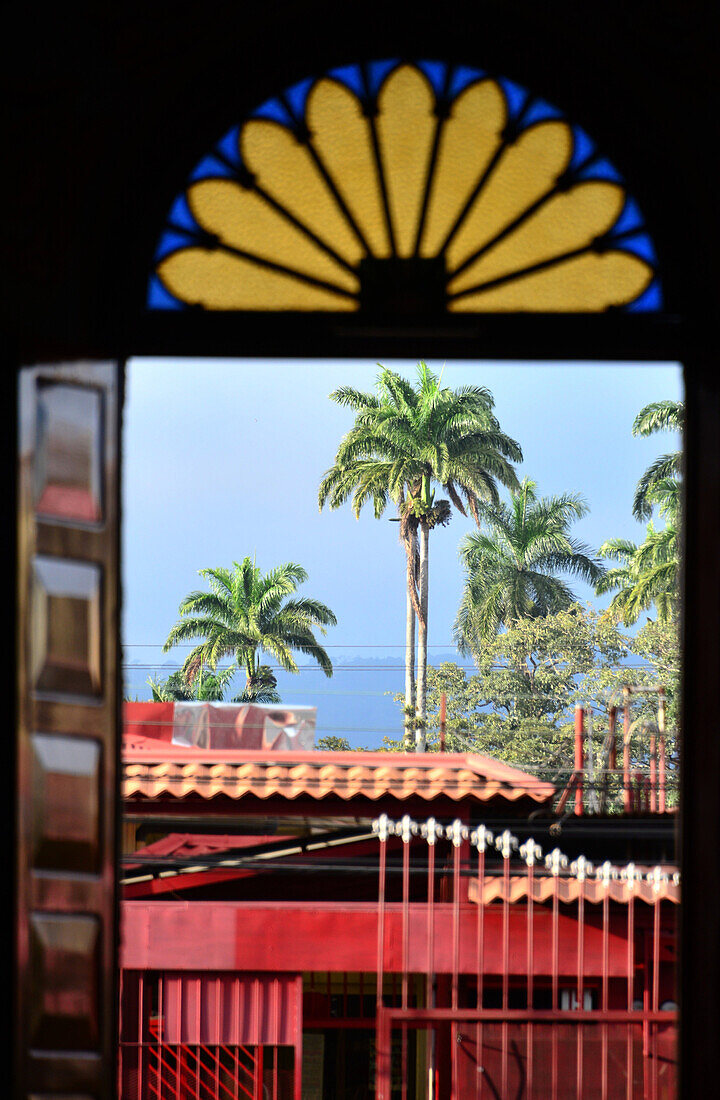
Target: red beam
[[266, 936]]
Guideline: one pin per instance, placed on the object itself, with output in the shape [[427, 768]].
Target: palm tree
[[513, 563], [658, 416], [648, 573], [406, 438], [247, 612], [207, 688]]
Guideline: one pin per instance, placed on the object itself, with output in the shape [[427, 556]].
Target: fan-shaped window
[[408, 189]]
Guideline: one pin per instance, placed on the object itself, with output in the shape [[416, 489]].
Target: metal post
[[609, 784], [661, 762], [579, 757], [653, 774], [580, 868], [626, 749], [405, 834], [482, 837], [531, 852], [554, 862], [443, 712]]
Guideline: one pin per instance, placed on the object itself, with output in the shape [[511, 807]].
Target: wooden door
[[67, 707]]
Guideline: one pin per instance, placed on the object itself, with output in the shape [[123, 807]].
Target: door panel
[[68, 706]]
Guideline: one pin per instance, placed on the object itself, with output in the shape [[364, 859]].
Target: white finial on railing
[[457, 832], [481, 837], [431, 830], [555, 861], [405, 828], [605, 873], [383, 827], [531, 852], [676, 879], [631, 876], [657, 876], [506, 843], [581, 868]]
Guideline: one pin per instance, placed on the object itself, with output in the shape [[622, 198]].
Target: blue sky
[[223, 458]]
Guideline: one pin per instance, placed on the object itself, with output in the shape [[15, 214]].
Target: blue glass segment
[[630, 218], [640, 245], [182, 216], [210, 168], [274, 110], [229, 146], [435, 71], [540, 111], [583, 147], [160, 298], [377, 71], [515, 96], [649, 301], [461, 78], [351, 77], [600, 170], [171, 241], [297, 95]]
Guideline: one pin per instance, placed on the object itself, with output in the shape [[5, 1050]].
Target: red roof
[[157, 768], [192, 845]]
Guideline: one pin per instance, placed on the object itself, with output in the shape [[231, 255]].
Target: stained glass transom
[[420, 188]]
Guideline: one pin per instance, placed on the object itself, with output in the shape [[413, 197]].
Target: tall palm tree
[[513, 561], [247, 612], [405, 439], [658, 416]]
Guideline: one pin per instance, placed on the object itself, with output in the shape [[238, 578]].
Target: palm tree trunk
[[409, 674], [421, 692]]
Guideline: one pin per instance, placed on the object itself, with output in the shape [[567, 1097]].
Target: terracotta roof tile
[[493, 889], [154, 769]]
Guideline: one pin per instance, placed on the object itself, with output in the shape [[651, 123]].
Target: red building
[[362, 924]]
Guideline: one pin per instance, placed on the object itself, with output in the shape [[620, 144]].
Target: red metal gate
[[188, 1036], [540, 998]]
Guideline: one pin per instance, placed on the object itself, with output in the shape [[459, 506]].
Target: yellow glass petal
[[218, 280], [567, 221], [405, 127], [241, 218], [468, 140], [585, 284], [284, 168], [341, 135], [525, 172]]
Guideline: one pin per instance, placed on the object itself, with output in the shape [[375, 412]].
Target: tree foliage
[[658, 416], [207, 687], [247, 612], [518, 706], [514, 563], [406, 439], [647, 574]]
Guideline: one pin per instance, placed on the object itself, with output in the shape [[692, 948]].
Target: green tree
[[407, 438], [513, 564], [331, 743], [647, 574], [658, 416], [518, 706], [245, 613], [208, 687]]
